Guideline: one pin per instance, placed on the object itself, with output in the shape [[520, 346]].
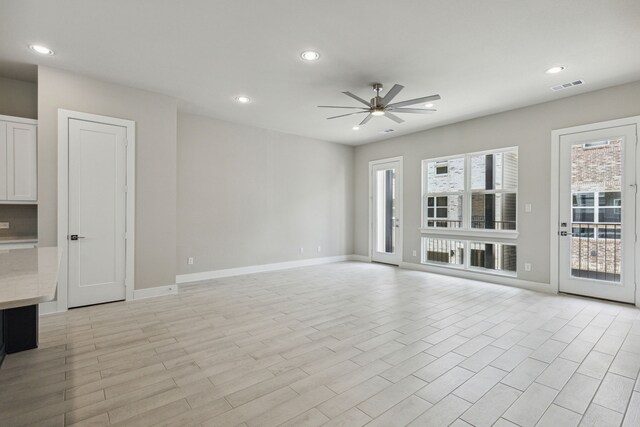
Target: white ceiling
[[480, 56]]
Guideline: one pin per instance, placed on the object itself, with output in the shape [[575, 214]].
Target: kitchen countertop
[[28, 276]]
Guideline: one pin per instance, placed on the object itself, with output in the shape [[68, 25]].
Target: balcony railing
[[444, 223], [596, 251], [481, 222]]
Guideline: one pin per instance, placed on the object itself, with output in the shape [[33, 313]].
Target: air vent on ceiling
[[388, 131], [567, 85]]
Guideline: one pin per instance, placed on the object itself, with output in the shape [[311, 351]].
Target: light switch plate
[[4, 225], [527, 207]]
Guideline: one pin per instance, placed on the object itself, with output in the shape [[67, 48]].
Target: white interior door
[[386, 211], [97, 213], [597, 213]]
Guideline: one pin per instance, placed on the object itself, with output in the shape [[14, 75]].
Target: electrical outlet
[[301, 250], [415, 253], [4, 225], [527, 266], [190, 260], [319, 248]]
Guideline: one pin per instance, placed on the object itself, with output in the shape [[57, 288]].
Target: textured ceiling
[[482, 57]]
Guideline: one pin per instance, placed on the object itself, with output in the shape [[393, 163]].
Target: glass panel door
[[597, 213], [386, 211]]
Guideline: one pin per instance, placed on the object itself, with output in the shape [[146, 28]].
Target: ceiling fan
[[381, 106]]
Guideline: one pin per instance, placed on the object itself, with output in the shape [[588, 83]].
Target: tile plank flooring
[[345, 344]]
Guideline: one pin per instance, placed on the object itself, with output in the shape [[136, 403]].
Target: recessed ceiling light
[[554, 70], [43, 50], [243, 99], [356, 128], [429, 105], [310, 55]]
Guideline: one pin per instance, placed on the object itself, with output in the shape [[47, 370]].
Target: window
[[445, 251], [442, 168], [474, 198], [597, 214], [445, 190], [493, 256], [494, 186], [444, 211], [478, 192], [597, 144]]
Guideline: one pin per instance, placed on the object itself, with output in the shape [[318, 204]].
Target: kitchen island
[[27, 277]]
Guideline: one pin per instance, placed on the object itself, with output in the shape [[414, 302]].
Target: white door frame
[[555, 195], [372, 163], [63, 197]]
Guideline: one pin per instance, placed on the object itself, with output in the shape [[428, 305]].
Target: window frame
[[465, 230], [466, 264], [596, 215]]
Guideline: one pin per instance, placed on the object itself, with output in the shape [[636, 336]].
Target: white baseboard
[[490, 278], [50, 307], [155, 292], [361, 258], [230, 272]]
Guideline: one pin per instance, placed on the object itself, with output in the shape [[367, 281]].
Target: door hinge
[[126, 142], [126, 188]]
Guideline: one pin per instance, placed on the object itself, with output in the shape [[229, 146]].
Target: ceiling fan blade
[[357, 98], [413, 110], [415, 101], [335, 106], [391, 94], [393, 117], [366, 119], [344, 115]]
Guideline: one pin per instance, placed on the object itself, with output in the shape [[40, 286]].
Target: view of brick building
[[596, 182]]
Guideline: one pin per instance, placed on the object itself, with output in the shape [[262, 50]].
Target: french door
[[386, 210], [597, 218]]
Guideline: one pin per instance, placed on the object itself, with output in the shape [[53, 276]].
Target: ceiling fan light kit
[[381, 106]]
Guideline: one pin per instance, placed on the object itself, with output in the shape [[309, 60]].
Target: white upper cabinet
[[3, 160], [18, 160]]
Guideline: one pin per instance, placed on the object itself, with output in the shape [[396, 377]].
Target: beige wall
[[248, 196], [18, 98], [528, 128], [155, 117]]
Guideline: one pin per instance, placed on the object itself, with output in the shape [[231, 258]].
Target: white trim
[[155, 292], [556, 134], [16, 245], [372, 163], [63, 197], [239, 271], [50, 307], [359, 258], [22, 120], [481, 234], [488, 277]]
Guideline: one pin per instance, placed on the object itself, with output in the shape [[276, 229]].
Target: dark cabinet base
[[18, 329]]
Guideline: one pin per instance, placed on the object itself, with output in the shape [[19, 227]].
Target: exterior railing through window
[[596, 251]]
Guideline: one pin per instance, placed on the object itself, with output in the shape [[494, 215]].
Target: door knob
[[75, 237]]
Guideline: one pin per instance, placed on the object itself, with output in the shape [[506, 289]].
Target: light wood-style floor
[[344, 344]]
